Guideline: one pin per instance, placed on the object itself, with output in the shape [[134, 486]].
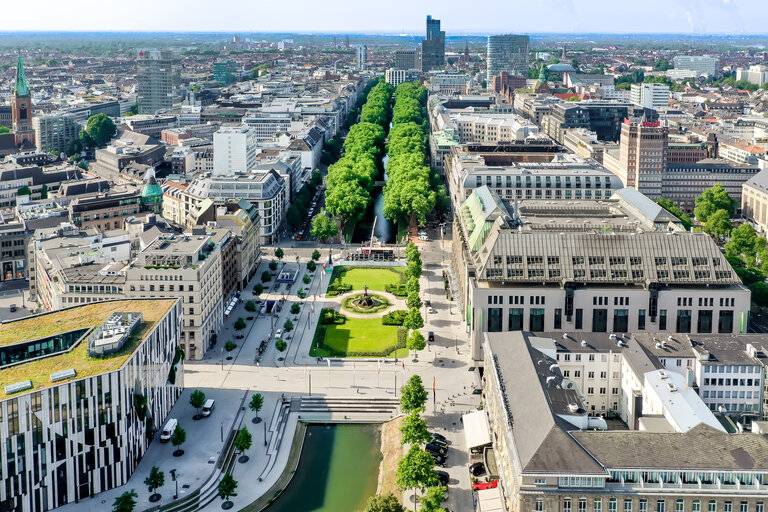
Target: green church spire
[[22, 86]]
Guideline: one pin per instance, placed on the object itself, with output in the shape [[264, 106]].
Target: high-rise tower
[[154, 81], [507, 53], [21, 109], [433, 47]]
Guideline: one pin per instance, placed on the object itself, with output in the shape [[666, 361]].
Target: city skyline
[[547, 16]]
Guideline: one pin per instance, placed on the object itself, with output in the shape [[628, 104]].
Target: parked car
[[423, 238], [430, 336], [439, 438], [431, 310], [436, 448], [208, 407], [477, 469], [443, 476], [439, 459], [278, 333], [167, 432]]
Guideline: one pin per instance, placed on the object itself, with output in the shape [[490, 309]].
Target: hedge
[[394, 317]]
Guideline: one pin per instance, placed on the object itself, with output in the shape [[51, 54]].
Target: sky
[[390, 16]]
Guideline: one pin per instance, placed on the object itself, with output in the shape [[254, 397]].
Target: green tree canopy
[[718, 224], [433, 499], [413, 301], [416, 341], [413, 319], [197, 399], [675, 210], [155, 479], [179, 436], [256, 403], [413, 396], [416, 470], [323, 228], [227, 487], [100, 128], [279, 253], [414, 429], [711, 200], [126, 502], [383, 503], [243, 440]]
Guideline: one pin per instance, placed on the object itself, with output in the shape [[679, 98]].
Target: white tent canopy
[[489, 500], [477, 431]]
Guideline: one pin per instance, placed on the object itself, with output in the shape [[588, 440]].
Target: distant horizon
[[676, 17]]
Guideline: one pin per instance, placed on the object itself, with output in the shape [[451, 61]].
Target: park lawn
[[376, 278], [358, 335]]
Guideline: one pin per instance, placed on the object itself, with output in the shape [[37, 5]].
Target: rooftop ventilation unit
[[574, 408], [583, 343], [63, 375], [552, 367], [18, 386], [663, 375]]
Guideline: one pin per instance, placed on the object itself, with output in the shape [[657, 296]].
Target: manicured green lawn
[[357, 336], [375, 278]]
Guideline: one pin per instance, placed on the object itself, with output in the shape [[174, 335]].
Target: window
[[643, 506], [662, 319], [725, 322], [620, 320], [743, 506], [539, 507], [599, 320], [640, 319], [612, 505], [582, 504], [696, 506], [515, 319], [661, 506], [494, 319], [567, 505], [683, 320], [704, 323], [579, 318], [759, 507], [679, 505], [712, 506], [727, 506], [627, 505], [536, 319], [598, 504], [558, 323]]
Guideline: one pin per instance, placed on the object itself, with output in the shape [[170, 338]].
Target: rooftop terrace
[[80, 317]]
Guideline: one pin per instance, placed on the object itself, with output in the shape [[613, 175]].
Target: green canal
[[337, 472]]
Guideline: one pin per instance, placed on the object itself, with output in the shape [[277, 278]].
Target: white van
[[208, 407], [168, 429]]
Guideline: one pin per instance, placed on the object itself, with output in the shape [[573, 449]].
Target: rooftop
[[79, 317]]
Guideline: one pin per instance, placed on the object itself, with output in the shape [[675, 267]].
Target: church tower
[[21, 109]]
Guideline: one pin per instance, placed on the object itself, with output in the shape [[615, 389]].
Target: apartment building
[[492, 128], [13, 245], [622, 264], [754, 200], [185, 209], [554, 455], [650, 95], [186, 267], [154, 81], [234, 150], [84, 428], [682, 183], [55, 132], [700, 65], [104, 211], [242, 220]]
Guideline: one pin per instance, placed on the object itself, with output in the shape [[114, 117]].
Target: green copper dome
[[151, 194]]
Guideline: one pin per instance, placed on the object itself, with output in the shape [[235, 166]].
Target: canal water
[[337, 472]]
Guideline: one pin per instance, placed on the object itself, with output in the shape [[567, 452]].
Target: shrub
[[315, 256], [394, 317], [230, 346], [311, 265], [240, 324], [273, 265], [337, 288], [306, 279], [295, 308], [330, 316], [266, 277], [258, 289], [280, 344], [250, 306], [302, 294], [288, 326], [398, 290]]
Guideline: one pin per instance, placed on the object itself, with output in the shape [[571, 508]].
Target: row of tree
[[408, 193], [351, 179]]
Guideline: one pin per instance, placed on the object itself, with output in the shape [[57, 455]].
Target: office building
[[154, 81], [13, 245], [448, 83], [554, 455], [186, 267], [642, 156], [682, 183], [84, 428], [754, 200], [395, 76], [701, 65], [361, 56], [622, 264], [55, 132], [507, 53], [604, 118], [234, 150], [433, 47], [225, 72], [407, 59], [650, 95]]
